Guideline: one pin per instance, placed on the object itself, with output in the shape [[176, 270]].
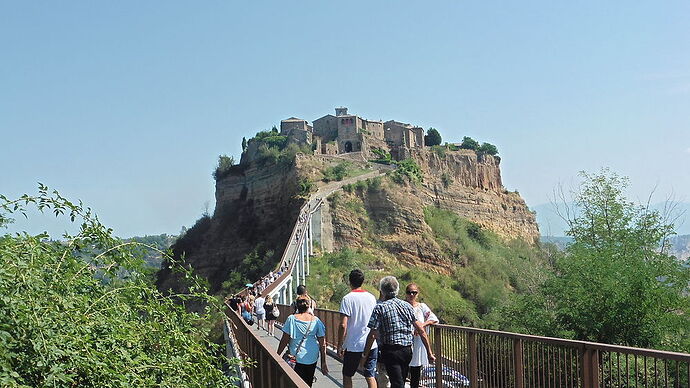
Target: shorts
[[352, 359], [260, 316]]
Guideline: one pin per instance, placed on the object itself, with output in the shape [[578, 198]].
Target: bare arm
[[429, 322], [322, 348], [283, 342], [342, 331], [425, 340], [373, 334]]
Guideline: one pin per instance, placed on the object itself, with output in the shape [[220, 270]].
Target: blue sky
[[126, 105]]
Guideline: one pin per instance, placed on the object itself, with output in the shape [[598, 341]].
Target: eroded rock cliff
[[256, 207], [390, 215]]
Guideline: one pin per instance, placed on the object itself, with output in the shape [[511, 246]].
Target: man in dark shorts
[[392, 323], [355, 310]]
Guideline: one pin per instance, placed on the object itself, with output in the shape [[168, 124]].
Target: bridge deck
[[335, 376]]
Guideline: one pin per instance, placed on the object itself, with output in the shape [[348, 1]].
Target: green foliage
[[433, 137], [489, 269], [439, 150], [253, 266], [224, 166], [306, 186], [614, 285], [487, 148], [485, 275], [336, 173], [469, 143], [383, 156], [244, 143], [273, 148], [70, 318], [446, 179], [452, 147], [408, 171]]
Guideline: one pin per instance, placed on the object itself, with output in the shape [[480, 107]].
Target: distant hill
[[680, 245], [153, 257], [551, 224]]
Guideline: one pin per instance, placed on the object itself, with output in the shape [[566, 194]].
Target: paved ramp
[[335, 376]]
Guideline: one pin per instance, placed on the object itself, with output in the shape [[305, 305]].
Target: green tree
[[71, 317], [616, 283], [432, 138], [225, 162], [469, 143], [244, 143], [488, 148]]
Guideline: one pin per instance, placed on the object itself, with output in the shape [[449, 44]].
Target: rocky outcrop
[[255, 206], [470, 185]]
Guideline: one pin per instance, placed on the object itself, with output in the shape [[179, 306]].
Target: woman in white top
[[427, 317]]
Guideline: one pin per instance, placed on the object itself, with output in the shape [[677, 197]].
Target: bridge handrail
[[521, 360], [685, 357], [288, 271], [285, 254], [263, 366]]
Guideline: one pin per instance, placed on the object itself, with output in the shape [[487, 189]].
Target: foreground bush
[[82, 312]]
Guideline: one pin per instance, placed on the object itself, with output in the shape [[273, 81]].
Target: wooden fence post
[[518, 363], [438, 365], [472, 344]]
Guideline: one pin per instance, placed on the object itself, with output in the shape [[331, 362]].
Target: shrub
[[408, 171], [224, 166], [446, 180], [469, 143], [432, 138], [72, 317], [439, 150], [306, 186], [383, 156], [487, 148], [337, 172]]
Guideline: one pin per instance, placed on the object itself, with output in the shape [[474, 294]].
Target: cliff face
[[470, 185], [392, 217], [255, 207]]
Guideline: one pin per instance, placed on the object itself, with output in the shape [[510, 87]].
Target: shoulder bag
[[290, 358]]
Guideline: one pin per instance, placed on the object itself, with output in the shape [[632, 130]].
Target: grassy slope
[[485, 272]]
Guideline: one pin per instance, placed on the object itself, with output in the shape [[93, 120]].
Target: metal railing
[[482, 358], [263, 366], [499, 359]]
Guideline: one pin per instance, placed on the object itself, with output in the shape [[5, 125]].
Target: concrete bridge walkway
[[335, 376]]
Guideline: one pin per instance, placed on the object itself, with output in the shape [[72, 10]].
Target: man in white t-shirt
[[355, 311], [260, 311]]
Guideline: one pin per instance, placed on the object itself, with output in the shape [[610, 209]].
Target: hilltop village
[[347, 133]]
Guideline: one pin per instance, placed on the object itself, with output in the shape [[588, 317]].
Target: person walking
[[304, 334], [393, 322], [270, 318], [260, 311], [302, 292], [423, 314], [355, 311]]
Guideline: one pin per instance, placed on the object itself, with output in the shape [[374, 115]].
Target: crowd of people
[[385, 337]]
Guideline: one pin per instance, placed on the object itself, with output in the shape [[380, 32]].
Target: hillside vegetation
[[71, 317], [485, 269]]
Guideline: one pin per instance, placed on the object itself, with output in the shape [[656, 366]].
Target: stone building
[[297, 130], [346, 133]]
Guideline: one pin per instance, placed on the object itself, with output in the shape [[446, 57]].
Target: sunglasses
[[412, 292]]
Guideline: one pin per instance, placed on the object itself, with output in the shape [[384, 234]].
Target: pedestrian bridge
[[465, 356]]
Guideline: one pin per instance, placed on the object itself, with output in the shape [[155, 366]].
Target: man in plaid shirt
[[392, 324]]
